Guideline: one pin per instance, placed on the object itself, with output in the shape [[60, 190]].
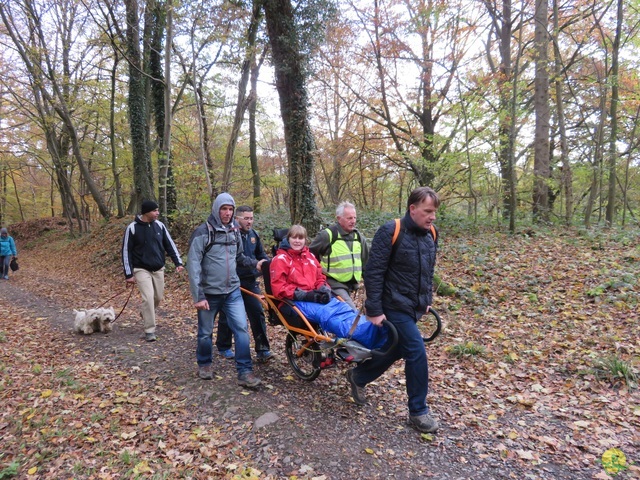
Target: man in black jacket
[[399, 285], [145, 242]]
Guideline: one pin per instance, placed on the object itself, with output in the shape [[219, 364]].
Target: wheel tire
[[307, 366]]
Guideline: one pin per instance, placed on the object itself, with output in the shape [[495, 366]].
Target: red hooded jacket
[[291, 269]]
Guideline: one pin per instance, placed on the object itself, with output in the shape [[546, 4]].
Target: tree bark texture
[[242, 101], [142, 171], [566, 180], [541, 167], [290, 83], [613, 154]]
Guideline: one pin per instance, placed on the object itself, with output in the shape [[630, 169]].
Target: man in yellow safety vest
[[342, 251]]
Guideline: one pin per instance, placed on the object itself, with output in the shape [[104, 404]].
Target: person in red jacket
[[295, 272], [296, 275]]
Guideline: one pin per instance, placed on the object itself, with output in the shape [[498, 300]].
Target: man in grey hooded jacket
[[214, 250]]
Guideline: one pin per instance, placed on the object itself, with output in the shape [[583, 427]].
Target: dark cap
[[148, 206]]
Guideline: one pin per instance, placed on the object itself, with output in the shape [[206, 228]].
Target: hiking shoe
[[248, 380], [205, 372], [357, 392], [264, 357], [424, 423], [150, 337], [228, 354]]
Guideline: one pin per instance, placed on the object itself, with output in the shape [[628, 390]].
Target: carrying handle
[[438, 326], [393, 332]]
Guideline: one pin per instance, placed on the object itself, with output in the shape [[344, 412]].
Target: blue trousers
[[411, 348], [255, 312], [233, 307]]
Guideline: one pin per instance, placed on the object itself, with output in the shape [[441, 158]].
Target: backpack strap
[[396, 232], [210, 240], [399, 229]]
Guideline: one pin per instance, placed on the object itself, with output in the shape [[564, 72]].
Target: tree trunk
[[290, 83], [613, 154], [242, 102], [507, 84], [161, 94], [253, 151], [112, 137], [142, 171], [625, 185], [541, 168], [566, 179], [598, 136], [202, 130]]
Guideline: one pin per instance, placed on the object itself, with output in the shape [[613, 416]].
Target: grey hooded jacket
[[213, 271]]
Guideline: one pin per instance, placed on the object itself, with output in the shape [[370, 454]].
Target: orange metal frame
[[311, 334]]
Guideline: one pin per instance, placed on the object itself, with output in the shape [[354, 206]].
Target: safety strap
[[355, 323]]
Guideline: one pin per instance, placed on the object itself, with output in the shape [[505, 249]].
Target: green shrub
[[10, 470], [614, 368], [467, 349]]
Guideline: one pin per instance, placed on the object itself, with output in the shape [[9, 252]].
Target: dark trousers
[[4, 265], [255, 314], [416, 370]]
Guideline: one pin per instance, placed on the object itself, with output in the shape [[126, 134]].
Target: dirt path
[[288, 427]]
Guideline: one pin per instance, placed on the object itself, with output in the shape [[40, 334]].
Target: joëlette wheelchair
[[309, 349]]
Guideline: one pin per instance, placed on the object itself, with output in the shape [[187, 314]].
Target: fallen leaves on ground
[[63, 417], [543, 308]]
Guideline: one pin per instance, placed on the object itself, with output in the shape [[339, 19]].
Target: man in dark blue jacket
[[248, 280], [145, 242], [399, 285]]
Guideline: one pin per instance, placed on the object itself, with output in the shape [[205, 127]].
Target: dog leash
[[117, 295]]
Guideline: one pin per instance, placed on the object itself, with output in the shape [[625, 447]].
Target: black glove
[[316, 296], [303, 296], [325, 288], [322, 296]]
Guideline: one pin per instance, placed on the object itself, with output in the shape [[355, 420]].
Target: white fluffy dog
[[94, 320]]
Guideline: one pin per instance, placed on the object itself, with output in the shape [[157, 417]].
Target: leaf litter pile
[[535, 374]]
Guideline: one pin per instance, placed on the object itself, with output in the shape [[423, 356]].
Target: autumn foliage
[[518, 378]]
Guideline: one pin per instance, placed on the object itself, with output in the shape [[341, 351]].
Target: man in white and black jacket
[[145, 242]]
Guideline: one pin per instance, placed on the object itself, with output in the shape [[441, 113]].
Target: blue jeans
[[411, 348], [4, 265], [233, 307], [255, 312]]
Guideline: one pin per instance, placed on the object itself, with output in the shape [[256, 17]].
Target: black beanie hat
[[148, 206]]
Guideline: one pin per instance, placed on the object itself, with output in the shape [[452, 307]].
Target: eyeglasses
[[246, 219]]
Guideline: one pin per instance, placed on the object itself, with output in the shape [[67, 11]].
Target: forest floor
[[519, 377]]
